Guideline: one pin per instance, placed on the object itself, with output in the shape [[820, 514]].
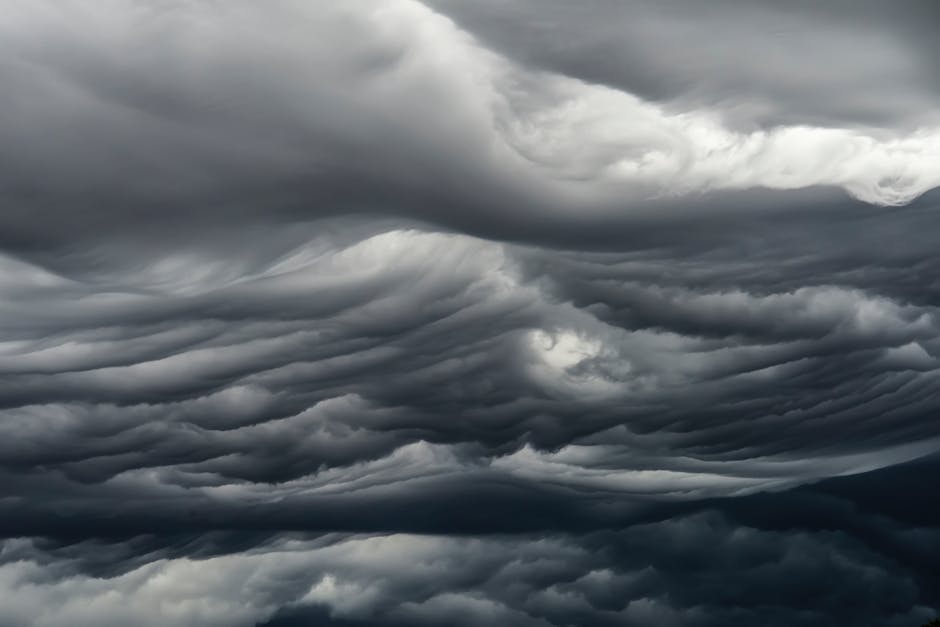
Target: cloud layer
[[401, 313]]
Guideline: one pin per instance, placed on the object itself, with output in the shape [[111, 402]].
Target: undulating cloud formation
[[496, 312]]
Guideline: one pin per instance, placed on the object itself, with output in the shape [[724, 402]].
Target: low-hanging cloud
[[178, 115], [402, 313]]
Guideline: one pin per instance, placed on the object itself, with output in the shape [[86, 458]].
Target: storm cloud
[[472, 313]]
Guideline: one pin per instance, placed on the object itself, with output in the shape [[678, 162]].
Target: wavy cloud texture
[[401, 313]]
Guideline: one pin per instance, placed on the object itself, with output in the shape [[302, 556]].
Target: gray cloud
[[700, 569], [759, 63], [400, 313], [163, 121]]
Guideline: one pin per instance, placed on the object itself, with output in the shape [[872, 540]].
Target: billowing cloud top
[[468, 313]]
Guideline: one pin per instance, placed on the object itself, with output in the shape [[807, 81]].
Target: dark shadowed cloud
[[400, 313]]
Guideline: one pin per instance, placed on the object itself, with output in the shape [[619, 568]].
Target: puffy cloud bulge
[[408, 343], [401, 313], [121, 113]]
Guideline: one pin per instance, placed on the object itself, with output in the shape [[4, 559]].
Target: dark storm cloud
[[537, 315], [838, 552], [165, 121], [763, 63], [429, 360]]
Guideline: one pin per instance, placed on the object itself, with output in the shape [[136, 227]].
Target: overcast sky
[[364, 313]]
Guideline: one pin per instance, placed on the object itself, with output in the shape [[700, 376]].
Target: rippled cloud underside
[[504, 312]]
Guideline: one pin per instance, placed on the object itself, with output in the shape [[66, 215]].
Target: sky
[[537, 313]]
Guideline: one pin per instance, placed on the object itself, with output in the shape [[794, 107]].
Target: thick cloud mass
[[469, 313]]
